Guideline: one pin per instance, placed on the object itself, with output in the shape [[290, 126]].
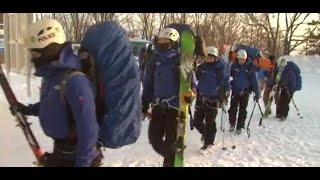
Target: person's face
[[242, 61], [210, 58], [163, 40], [163, 44]]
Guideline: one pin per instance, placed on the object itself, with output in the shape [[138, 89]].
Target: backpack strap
[[67, 75], [219, 77], [221, 90]]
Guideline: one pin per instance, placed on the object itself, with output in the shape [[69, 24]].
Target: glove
[[23, 109], [54, 160], [290, 92], [223, 98], [188, 97], [256, 97], [144, 109]]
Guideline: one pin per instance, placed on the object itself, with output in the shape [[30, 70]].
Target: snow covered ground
[[294, 142]]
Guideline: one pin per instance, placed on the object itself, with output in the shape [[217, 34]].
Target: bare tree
[[75, 25], [163, 20], [101, 17], [226, 28], [293, 21], [263, 20], [148, 23], [128, 21]]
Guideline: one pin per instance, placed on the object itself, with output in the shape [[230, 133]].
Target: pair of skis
[[20, 118]]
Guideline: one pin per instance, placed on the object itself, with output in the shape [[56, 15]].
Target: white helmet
[[212, 51], [169, 33], [242, 54], [44, 32]]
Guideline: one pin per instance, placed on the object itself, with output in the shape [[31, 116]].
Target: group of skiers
[[212, 90], [71, 119]]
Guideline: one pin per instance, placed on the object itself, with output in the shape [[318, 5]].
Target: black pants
[[163, 133], [284, 101], [63, 155], [238, 99], [207, 111]]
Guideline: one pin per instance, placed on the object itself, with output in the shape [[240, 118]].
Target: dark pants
[[238, 99], [284, 101], [63, 155], [206, 111], [163, 133]]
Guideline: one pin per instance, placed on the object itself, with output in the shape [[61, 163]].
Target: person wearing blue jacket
[[287, 86], [213, 83], [161, 88], [244, 81], [72, 124]]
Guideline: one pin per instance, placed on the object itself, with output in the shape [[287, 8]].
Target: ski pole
[[191, 118], [233, 146], [222, 127], [260, 123], [248, 129], [294, 104]]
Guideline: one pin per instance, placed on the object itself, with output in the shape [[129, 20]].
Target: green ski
[[186, 62]]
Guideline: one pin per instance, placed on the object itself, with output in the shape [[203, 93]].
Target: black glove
[[256, 97], [145, 108], [188, 100], [23, 109], [189, 97], [54, 160]]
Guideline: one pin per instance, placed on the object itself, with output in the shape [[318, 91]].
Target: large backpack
[[293, 67], [110, 65], [252, 52]]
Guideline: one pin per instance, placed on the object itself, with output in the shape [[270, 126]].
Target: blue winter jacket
[[53, 113], [288, 79], [242, 79], [261, 74], [161, 78], [208, 82]]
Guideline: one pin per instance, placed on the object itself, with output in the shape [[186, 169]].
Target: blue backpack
[[112, 69], [251, 51], [293, 67]]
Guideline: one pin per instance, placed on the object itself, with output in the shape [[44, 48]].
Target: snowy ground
[[294, 142]]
